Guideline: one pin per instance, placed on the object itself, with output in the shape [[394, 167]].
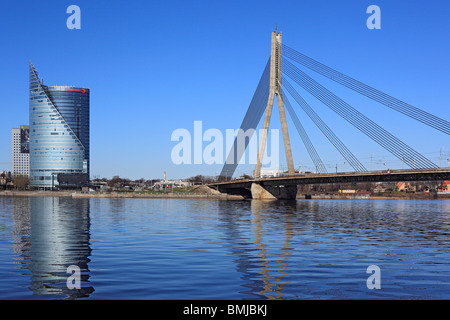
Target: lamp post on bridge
[[371, 161]]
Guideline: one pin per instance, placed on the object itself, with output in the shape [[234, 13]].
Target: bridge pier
[[273, 192], [259, 193]]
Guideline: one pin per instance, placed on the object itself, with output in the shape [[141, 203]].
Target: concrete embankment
[[208, 193], [169, 195], [157, 196], [36, 193], [375, 196]]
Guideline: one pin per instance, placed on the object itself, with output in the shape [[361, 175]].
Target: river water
[[176, 249]]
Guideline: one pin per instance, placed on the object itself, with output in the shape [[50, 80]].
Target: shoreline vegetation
[[204, 192]]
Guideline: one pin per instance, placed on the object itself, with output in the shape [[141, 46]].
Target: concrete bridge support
[[273, 192], [275, 89], [259, 193]]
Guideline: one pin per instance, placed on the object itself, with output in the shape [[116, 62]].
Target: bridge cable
[[427, 118], [304, 136], [369, 128], [357, 119], [368, 91], [329, 134], [372, 93], [372, 130], [251, 119], [408, 155]]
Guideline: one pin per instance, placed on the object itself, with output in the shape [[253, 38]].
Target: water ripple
[[198, 249]]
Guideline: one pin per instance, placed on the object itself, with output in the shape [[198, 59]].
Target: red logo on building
[[77, 90]]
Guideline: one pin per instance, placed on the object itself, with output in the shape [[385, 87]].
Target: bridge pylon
[[275, 89]]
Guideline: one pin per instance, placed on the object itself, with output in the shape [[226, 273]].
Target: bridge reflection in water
[[308, 249], [260, 257], [273, 283], [51, 234]]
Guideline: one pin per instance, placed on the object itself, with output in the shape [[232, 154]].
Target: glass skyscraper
[[59, 133]]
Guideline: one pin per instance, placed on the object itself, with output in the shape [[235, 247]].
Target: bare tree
[[21, 182]]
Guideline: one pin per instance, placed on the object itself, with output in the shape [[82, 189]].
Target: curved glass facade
[[59, 132]]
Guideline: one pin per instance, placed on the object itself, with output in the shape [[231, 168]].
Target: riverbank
[[144, 195], [374, 196], [219, 196]]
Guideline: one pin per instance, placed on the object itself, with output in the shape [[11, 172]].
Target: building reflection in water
[[51, 234]]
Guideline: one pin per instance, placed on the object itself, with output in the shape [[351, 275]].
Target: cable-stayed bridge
[[277, 80]]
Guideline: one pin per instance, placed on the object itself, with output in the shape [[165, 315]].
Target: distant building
[[346, 191], [5, 174], [171, 183], [405, 187], [20, 141], [268, 173], [5, 180], [379, 188], [444, 187]]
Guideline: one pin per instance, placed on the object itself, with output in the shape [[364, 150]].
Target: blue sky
[[156, 66]]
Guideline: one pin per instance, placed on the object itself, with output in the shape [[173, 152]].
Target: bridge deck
[[346, 177]]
